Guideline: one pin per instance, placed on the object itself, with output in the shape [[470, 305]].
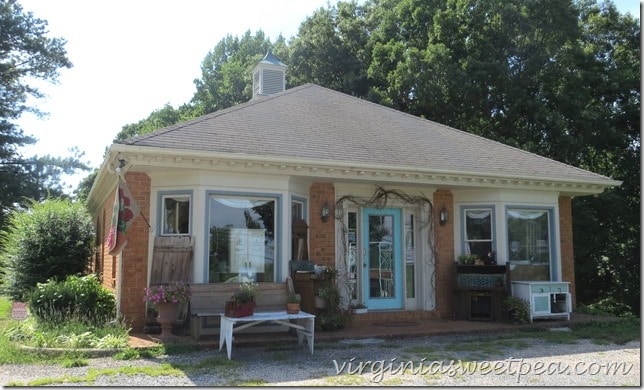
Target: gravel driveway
[[455, 360]]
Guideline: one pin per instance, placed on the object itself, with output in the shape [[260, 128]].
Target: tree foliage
[[50, 240], [27, 55]]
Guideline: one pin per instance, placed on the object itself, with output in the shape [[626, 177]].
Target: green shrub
[[606, 307], [517, 310], [51, 240], [81, 299]]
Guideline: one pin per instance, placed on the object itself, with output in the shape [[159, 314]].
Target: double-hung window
[[478, 234]]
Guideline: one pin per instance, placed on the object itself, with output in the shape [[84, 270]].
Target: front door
[[382, 262]]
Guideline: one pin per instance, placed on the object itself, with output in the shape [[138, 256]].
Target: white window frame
[[162, 210]]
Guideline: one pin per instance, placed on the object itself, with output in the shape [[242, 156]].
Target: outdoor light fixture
[[444, 216], [122, 164], [324, 214]]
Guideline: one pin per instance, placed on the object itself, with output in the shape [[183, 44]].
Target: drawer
[[540, 288], [549, 287], [559, 288]]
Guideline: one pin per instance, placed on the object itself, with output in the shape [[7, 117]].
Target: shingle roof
[[316, 123]]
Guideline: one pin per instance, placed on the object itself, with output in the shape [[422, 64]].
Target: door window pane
[[410, 255], [381, 256], [242, 239]]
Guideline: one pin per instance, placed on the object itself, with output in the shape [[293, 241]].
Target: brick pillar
[[444, 242], [566, 245], [134, 256], [322, 234]]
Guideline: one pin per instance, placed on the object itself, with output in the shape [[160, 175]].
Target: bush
[[80, 299], [51, 240], [517, 310], [606, 307]]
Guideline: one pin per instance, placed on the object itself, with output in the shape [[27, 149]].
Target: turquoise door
[[382, 263]]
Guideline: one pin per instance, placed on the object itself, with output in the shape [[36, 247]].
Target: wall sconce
[[444, 216], [324, 213]]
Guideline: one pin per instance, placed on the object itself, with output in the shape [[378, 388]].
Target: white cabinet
[[546, 299]]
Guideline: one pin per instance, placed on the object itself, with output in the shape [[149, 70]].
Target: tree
[[331, 50], [158, 119], [225, 72], [26, 55], [50, 240]]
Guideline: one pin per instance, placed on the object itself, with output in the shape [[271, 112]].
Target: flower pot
[[168, 314], [292, 308], [236, 310], [320, 303]]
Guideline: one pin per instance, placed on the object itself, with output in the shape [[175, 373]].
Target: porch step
[[392, 316]]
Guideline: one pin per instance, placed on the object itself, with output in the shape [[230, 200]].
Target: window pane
[[176, 215], [529, 244], [528, 235], [478, 232], [242, 240], [478, 224], [297, 210]]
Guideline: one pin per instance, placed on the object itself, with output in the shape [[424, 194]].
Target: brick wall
[[322, 234], [134, 255], [566, 244], [444, 242]]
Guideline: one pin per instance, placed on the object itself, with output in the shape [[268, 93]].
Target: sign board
[[247, 250], [19, 311]]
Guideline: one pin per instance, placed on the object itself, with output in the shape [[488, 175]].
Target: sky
[[132, 57]]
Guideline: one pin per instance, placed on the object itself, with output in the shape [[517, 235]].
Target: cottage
[[391, 200]]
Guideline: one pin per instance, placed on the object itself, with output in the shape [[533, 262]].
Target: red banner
[[124, 212]]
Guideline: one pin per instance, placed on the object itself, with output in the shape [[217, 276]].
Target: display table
[[305, 326]]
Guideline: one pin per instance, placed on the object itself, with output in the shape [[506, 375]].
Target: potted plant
[[360, 308], [167, 298], [293, 303], [468, 259], [326, 275], [242, 303], [333, 316]]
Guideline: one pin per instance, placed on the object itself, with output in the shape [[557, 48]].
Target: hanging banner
[[124, 213]]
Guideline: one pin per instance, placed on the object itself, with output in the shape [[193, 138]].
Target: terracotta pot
[[168, 314], [237, 310], [292, 308]]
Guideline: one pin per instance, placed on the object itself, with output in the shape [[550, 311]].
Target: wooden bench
[[209, 300]]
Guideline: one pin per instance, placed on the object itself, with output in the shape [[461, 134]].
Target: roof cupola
[[269, 76]]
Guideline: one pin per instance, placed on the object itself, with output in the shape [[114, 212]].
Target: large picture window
[[176, 214], [242, 239], [478, 235], [529, 235]]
